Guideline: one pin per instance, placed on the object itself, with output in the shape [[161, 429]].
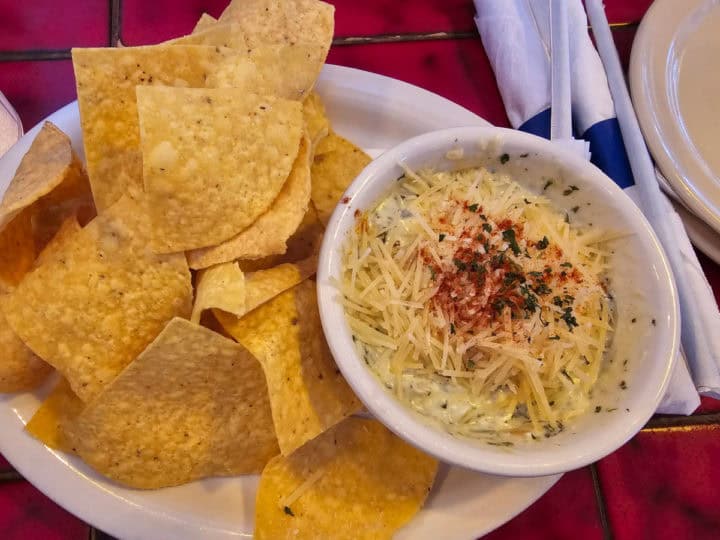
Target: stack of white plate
[[675, 84]]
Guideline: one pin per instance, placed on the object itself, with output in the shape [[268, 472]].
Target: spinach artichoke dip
[[476, 303]]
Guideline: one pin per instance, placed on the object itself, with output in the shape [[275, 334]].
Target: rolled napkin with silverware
[[517, 38]]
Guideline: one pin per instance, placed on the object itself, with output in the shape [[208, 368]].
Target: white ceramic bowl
[[640, 357]]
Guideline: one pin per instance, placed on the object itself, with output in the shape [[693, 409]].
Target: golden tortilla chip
[[317, 124], [279, 69], [264, 285], [308, 394], [94, 306], [204, 22], [20, 368], [213, 160], [49, 185], [50, 421], [357, 480], [194, 404], [289, 22], [284, 71], [17, 250], [46, 164], [222, 287], [304, 244], [106, 80], [58, 244], [71, 199], [336, 163], [269, 233]]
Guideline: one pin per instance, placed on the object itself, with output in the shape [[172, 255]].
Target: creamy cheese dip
[[477, 304]]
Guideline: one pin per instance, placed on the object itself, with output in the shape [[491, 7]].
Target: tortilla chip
[[106, 80], [308, 394], [59, 242], [20, 368], [287, 71], [222, 287], [50, 421], [317, 124], [94, 306], [280, 69], [45, 165], [269, 233], [336, 164], [289, 22], [194, 404], [204, 22], [304, 244], [264, 285], [213, 160], [17, 250], [71, 199], [357, 480]]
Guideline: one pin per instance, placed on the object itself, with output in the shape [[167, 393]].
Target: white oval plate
[[675, 83], [375, 112], [702, 236]]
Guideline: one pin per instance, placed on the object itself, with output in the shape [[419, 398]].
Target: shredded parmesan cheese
[[476, 302]]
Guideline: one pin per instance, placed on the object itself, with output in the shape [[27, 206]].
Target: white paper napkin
[[516, 36]]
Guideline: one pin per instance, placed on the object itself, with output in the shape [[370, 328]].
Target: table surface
[[662, 484]]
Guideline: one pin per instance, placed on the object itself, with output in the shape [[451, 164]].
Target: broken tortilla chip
[[264, 285], [50, 421], [20, 368], [269, 233], [106, 80], [222, 287], [204, 22], [332, 172], [357, 480], [71, 199], [308, 394], [213, 160], [92, 307], [317, 124], [17, 250], [58, 242], [304, 244], [194, 404]]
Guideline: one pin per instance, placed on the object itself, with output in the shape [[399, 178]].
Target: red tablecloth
[[662, 484]]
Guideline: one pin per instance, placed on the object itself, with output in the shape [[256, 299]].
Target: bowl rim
[[397, 416]]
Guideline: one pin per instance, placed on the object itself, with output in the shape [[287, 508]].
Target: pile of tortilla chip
[[167, 293]]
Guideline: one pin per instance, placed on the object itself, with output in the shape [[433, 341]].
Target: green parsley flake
[[569, 318], [509, 236]]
